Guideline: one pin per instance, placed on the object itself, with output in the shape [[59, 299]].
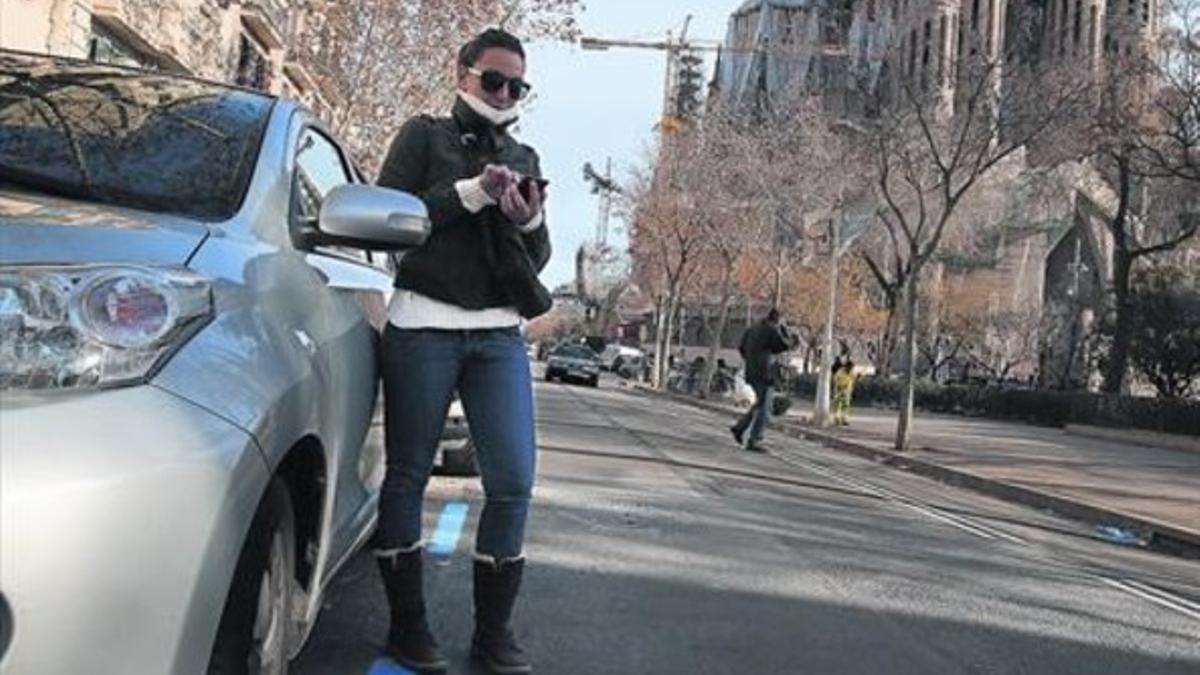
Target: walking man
[[453, 325], [759, 344]]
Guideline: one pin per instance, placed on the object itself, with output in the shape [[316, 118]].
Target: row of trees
[[759, 202]]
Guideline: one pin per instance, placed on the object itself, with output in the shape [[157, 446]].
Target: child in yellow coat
[[843, 391]]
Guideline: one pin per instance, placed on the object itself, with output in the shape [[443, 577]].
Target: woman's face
[[507, 63]]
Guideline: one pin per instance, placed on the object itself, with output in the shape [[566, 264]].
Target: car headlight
[[94, 326]]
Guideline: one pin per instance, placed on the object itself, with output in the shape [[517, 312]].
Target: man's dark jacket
[[474, 261], [759, 343]]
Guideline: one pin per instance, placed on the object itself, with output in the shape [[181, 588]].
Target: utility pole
[[844, 229]]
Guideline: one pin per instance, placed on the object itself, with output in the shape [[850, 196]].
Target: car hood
[[37, 229]]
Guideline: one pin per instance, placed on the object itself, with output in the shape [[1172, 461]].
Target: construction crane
[[682, 62], [605, 186]]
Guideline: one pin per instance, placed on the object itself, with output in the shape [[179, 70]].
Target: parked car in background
[[188, 366], [456, 452], [615, 355], [573, 363]]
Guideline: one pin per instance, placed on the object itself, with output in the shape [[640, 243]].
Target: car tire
[[549, 377], [461, 462], [594, 382], [256, 629]]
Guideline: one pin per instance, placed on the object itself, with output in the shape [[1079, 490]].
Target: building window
[[958, 32], [943, 45], [253, 71], [1077, 28], [912, 53], [1092, 28], [925, 57], [1062, 32], [989, 26], [104, 46], [870, 10]]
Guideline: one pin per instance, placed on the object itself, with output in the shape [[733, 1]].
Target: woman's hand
[[496, 180], [516, 208]]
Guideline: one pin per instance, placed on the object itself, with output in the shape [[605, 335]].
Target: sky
[[592, 105]]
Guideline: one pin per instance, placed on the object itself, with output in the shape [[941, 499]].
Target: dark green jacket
[[474, 261]]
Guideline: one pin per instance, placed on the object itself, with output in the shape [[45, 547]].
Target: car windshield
[[146, 141], [575, 353]]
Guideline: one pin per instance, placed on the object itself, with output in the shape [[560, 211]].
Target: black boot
[[409, 641], [496, 588]]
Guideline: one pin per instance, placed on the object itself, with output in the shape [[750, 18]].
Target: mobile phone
[[527, 181]]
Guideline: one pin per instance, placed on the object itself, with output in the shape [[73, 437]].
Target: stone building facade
[[1055, 256], [844, 48], [242, 42]]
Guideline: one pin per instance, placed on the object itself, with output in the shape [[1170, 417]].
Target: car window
[[145, 141], [320, 168], [575, 353]]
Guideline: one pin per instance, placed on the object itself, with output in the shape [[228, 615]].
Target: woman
[[454, 321]]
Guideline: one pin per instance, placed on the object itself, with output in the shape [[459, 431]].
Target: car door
[[346, 328]]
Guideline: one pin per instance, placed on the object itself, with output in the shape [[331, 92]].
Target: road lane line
[[1156, 596], [959, 522], [449, 529]]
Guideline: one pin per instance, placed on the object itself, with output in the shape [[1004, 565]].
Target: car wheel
[[460, 462], [594, 382], [256, 629], [549, 377]]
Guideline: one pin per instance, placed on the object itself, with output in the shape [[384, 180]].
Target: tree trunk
[[777, 296], [714, 345], [887, 341], [660, 330], [666, 338], [908, 381], [1117, 367]]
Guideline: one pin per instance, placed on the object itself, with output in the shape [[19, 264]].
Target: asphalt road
[[658, 547]]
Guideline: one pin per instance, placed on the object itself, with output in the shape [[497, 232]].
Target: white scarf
[[496, 116]]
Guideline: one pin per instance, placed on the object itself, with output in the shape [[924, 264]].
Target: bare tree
[[1145, 138], [667, 207], [386, 60], [932, 150]]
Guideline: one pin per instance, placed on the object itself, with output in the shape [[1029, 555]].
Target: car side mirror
[[371, 217]]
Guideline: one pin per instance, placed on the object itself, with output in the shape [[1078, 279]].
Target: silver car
[[191, 288]]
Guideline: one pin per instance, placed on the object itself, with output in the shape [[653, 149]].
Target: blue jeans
[[490, 370], [756, 417]]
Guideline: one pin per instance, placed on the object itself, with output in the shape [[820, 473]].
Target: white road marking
[[1156, 596]]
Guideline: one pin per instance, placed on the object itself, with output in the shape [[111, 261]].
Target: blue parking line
[[388, 667], [449, 528]]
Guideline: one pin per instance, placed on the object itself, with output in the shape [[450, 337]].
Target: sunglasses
[[493, 81]]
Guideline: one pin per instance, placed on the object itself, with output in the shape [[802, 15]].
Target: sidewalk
[[1153, 490]]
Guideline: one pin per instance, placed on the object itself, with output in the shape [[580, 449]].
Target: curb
[[1162, 537]]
